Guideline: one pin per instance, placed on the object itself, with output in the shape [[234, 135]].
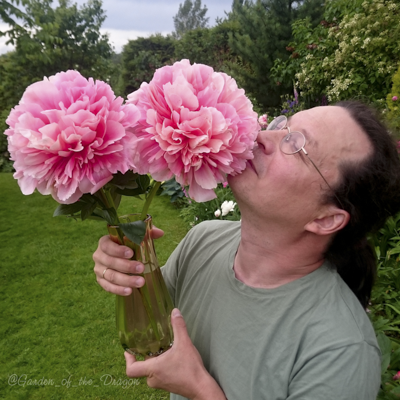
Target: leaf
[[125, 181], [395, 360], [109, 214], [87, 210], [394, 308], [386, 348], [134, 231], [68, 209]]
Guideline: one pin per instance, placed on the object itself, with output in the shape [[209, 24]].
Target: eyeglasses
[[294, 142]]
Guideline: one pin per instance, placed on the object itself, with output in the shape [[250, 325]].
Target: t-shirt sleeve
[[346, 373]]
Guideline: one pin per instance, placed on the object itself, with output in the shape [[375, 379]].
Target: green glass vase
[[144, 317]]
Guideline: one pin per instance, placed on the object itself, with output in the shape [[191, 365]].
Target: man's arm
[[180, 370]]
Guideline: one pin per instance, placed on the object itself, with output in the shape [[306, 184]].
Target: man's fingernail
[[139, 269], [127, 290], [128, 253], [176, 313], [140, 282]]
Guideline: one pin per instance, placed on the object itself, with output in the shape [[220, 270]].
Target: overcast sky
[[129, 19]]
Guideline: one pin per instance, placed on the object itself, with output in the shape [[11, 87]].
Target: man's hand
[[180, 370], [112, 264]]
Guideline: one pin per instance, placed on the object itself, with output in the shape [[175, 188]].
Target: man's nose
[[268, 141]]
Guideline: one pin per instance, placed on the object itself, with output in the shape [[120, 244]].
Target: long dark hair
[[370, 192]]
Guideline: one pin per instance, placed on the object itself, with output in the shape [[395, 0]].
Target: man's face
[[288, 187]]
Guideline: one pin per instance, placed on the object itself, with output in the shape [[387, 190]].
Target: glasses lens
[[277, 124], [293, 142]]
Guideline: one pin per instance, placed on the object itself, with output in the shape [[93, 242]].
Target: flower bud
[[217, 213]]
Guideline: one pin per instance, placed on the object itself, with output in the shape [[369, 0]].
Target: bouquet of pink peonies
[[70, 137]]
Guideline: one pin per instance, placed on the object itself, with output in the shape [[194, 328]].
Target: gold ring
[[104, 272]]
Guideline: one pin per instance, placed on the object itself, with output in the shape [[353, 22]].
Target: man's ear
[[331, 221]]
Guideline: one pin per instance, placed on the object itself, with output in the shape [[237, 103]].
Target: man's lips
[[251, 165]]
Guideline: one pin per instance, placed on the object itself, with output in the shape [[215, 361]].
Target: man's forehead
[[333, 126], [302, 127]]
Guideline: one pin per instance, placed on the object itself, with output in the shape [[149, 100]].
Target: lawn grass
[[57, 332]]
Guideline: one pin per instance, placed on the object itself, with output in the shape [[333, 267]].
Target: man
[[274, 305]]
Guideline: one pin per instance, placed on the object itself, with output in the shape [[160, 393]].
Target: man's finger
[[134, 369], [178, 326], [156, 233], [114, 249]]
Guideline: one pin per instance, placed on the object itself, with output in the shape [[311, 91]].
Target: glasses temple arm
[[329, 186]]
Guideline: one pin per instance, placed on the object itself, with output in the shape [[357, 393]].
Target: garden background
[[57, 324]]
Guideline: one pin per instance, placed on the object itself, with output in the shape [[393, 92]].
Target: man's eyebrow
[[309, 138]]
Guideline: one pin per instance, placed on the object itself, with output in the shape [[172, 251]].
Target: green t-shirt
[[309, 339]]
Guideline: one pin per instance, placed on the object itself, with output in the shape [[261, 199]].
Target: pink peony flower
[[394, 98], [397, 376], [68, 135], [195, 124], [263, 121]]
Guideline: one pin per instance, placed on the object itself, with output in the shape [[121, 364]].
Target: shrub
[[385, 305], [393, 104], [5, 164], [194, 213], [349, 55]]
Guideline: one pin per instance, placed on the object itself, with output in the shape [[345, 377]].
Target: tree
[[208, 46], [190, 16], [62, 38], [141, 57], [7, 12], [265, 30]]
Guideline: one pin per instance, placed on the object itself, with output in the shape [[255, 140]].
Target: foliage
[[385, 304], [194, 212], [393, 104], [351, 54], [291, 104], [66, 37], [190, 16], [5, 164], [141, 57], [265, 30], [56, 322], [7, 11], [209, 46], [172, 189]]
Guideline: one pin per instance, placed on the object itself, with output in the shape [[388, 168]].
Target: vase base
[[149, 353]]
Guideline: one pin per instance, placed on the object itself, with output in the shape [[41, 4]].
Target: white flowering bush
[[223, 207], [353, 56]]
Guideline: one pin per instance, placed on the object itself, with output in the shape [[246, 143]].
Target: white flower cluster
[[366, 41], [226, 207], [338, 87]]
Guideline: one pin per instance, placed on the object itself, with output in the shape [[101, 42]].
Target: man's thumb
[[178, 325]]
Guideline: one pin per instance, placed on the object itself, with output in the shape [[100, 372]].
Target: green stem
[[149, 199], [109, 203]]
